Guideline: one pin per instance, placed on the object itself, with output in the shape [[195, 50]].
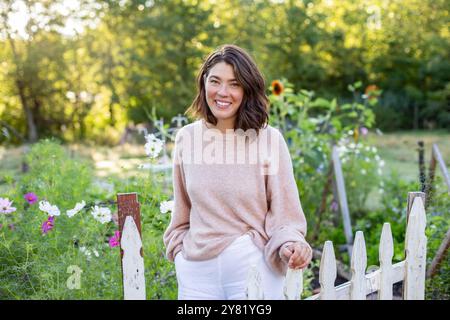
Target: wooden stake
[[440, 255], [132, 261], [343, 205], [422, 174]]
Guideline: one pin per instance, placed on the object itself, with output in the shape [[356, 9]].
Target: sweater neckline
[[228, 135]]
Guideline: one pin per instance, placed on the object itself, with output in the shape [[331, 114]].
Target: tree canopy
[[86, 69]]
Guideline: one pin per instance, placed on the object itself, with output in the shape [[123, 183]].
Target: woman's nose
[[223, 91]]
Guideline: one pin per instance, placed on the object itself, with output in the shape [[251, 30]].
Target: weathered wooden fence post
[[343, 204], [131, 245], [415, 247], [436, 158], [422, 174], [442, 166], [440, 254]]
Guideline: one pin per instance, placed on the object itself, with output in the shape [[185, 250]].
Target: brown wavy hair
[[253, 111]]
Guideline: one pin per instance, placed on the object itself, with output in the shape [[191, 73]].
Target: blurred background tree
[[85, 69]]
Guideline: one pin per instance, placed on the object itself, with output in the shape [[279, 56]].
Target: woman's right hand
[[297, 255]]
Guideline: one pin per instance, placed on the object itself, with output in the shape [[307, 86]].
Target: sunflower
[[277, 87]]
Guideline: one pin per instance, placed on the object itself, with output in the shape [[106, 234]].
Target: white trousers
[[225, 276]]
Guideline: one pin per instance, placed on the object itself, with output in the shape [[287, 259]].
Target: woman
[[236, 202]]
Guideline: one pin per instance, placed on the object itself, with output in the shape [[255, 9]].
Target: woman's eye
[[235, 85], [213, 81]]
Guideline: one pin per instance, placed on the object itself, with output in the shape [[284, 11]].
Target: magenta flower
[[114, 241], [12, 226], [48, 225], [31, 197]]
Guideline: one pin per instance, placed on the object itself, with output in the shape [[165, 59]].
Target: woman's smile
[[222, 105]]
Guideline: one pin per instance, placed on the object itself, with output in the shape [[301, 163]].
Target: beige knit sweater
[[221, 193]]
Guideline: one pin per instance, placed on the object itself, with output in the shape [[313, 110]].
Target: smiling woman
[[231, 91], [228, 217]]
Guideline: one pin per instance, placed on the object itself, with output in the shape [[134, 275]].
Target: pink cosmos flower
[[48, 225], [31, 197], [114, 241], [6, 206], [364, 131]]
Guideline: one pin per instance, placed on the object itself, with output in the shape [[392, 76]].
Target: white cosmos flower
[[78, 207], [154, 146], [51, 210], [166, 206], [102, 214], [86, 252]]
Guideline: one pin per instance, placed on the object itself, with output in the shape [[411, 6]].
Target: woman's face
[[223, 93]]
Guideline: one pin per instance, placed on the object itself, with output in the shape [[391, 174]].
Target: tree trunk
[[31, 124]]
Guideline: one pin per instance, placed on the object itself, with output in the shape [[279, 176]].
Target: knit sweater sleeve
[[285, 220], [179, 223]]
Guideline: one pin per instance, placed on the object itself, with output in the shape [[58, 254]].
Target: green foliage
[[137, 55], [52, 172], [312, 125], [438, 223], [37, 265]]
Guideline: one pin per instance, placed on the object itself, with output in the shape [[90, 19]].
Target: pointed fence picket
[[132, 262], [386, 252], [411, 270], [327, 273]]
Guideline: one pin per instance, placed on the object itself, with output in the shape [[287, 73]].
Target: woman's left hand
[[297, 255]]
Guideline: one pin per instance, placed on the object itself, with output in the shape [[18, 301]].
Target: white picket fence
[[411, 270]]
